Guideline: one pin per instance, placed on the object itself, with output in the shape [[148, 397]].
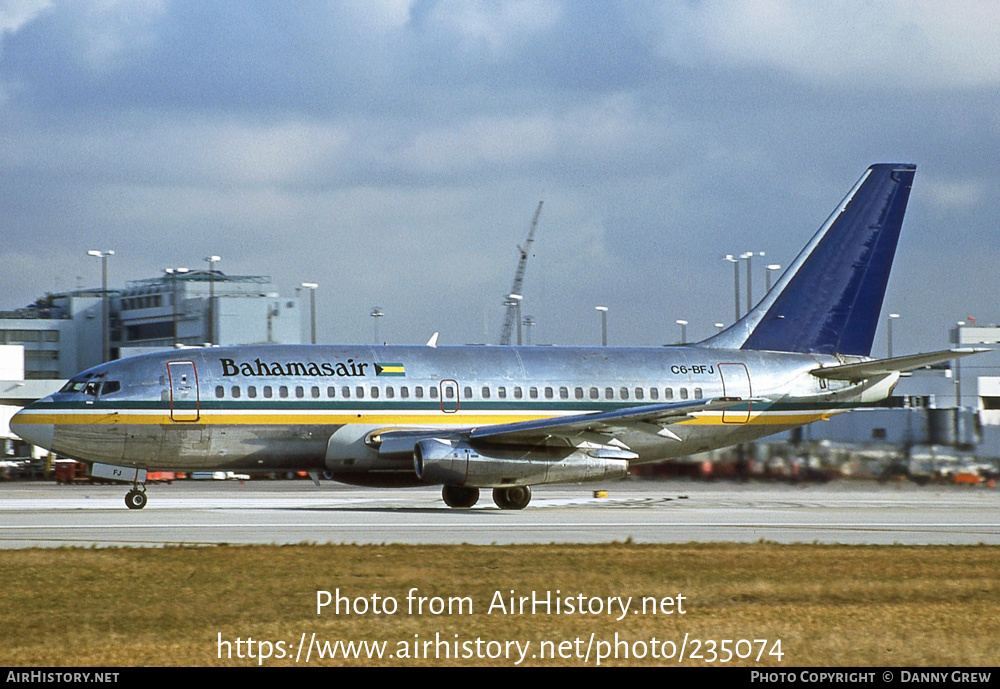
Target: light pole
[[311, 286], [105, 348], [958, 369], [516, 299], [529, 323], [892, 317], [684, 325], [767, 275], [736, 283], [173, 273], [749, 255], [211, 260], [604, 324], [376, 313]]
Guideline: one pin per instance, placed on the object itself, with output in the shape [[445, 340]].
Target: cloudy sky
[[394, 151]]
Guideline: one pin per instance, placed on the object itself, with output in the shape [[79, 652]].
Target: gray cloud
[[394, 152]]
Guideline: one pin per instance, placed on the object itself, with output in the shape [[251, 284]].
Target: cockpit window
[[110, 386], [76, 384], [88, 384]]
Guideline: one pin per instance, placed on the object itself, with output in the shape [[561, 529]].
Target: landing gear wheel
[[513, 498], [457, 496], [135, 499]]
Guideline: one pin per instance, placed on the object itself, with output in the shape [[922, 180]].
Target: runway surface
[[282, 512]]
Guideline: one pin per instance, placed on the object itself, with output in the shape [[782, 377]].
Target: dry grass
[[829, 605]]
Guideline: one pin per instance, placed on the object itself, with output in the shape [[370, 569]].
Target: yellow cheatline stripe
[[284, 418], [276, 419]]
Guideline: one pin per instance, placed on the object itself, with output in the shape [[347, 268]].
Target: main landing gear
[[512, 498]]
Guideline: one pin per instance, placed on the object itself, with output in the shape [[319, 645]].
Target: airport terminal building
[[61, 334]]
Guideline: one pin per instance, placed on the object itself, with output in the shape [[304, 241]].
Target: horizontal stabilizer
[[868, 369]]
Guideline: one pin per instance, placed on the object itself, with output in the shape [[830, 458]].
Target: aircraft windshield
[[75, 385], [90, 384]]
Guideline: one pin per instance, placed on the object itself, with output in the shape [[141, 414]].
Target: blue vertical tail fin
[[830, 298]]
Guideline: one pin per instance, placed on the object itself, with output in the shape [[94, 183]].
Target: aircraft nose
[[28, 428]]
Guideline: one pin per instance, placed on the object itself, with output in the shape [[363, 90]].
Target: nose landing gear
[[135, 499]]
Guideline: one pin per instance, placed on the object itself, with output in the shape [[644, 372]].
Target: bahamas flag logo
[[390, 370]]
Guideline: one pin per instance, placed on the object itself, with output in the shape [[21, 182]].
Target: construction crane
[[513, 298]]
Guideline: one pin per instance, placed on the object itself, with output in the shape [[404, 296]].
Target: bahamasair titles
[[504, 418]]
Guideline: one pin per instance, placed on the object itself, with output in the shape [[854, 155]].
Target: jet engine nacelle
[[457, 463]]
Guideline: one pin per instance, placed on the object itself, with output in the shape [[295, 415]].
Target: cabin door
[[185, 404], [736, 383]]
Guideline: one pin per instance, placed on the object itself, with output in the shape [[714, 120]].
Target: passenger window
[[404, 392], [518, 392], [502, 392], [267, 391], [433, 392], [697, 393], [638, 393], [594, 393], [563, 393], [299, 392], [220, 391], [236, 392], [486, 392], [390, 392], [654, 394], [283, 391], [359, 392], [684, 393], [609, 394], [346, 392], [315, 392], [669, 393], [252, 391], [331, 392], [578, 393], [449, 392], [467, 392], [548, 393], [374, 393], [624, 393], [533, 393], [418, 392]]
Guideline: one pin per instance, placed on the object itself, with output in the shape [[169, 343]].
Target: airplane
[[503, 417]]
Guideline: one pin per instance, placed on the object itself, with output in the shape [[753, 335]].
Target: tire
[[513, 498], [457, 496], [135, 500]]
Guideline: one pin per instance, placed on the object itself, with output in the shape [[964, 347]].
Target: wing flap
[[596, 427], [650, 417]]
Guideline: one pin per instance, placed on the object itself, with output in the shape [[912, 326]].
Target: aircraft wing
[[600, 427], [879, 367]]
